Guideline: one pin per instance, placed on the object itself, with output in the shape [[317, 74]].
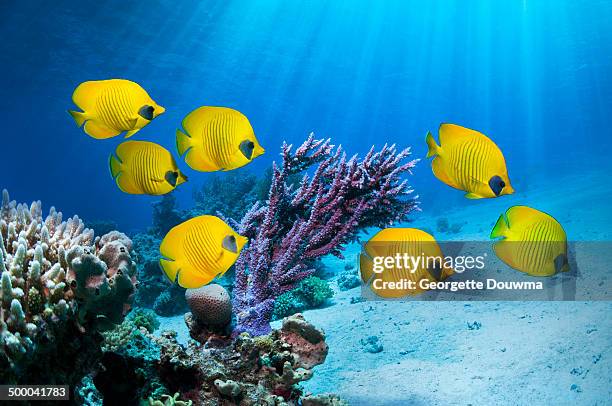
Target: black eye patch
[[171, 177], [246, 147], [146, 112], [229, 243], [496, 184]]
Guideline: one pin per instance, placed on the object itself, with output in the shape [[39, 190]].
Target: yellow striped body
[[142, 167], [411, 241], [468, 160], [213, 137], [533, 241], [194, 254], [113, 106]]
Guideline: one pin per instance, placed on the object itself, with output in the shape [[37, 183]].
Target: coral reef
[[87, 394], [102, 278], [211, 335], [265, 370], [231, 194], [167, 400], [310, 293], [59, 288], [348, 279], [143, 318], [210, 304], [129, 357], [247, 370], [165, 215], [211, 314], [298, 225], [170, 302], [156, 291]]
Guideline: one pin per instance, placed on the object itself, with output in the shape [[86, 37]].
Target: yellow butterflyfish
[[217, 138], [111, 107], [468, 160], [198, 250], [142, 167], [395, 257], [532, 241]]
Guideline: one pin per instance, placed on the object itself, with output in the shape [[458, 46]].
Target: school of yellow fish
[[527, 239], [214, 139], [221, 139]]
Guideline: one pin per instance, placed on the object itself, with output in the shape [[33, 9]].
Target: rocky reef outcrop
[[156, 291], [59, 287], [221, 370]]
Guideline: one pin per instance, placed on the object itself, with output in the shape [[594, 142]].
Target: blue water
[[533, 75]]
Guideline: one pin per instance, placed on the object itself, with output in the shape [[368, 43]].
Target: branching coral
[[59, 286], [299, 225]]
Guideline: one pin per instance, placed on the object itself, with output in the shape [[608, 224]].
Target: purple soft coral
[[325, 212]]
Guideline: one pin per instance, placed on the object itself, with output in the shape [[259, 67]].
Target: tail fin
[[501, 228], [183, 142], [115, 166], [433, 147], [79, 117]]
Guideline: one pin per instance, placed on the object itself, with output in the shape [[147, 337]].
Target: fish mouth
[[159, 110]]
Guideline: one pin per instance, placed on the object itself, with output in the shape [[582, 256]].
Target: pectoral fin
[[98, 130], [131, 132], [472, 195]]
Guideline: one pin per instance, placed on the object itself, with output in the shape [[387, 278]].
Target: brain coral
[[57, 283], [210, 304]]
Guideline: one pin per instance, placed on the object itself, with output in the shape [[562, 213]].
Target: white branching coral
[[54, 272]]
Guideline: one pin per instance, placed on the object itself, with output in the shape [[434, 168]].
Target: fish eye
[[502, 184]]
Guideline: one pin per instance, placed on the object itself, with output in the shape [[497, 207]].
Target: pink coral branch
[[329, 208]]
